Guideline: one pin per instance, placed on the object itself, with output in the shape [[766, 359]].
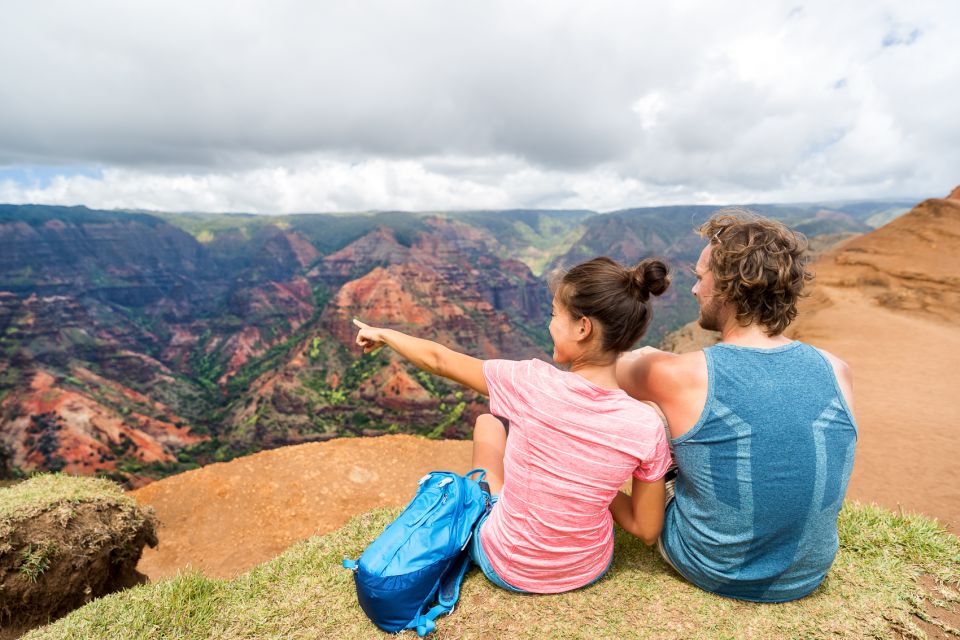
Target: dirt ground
[[907, 387], [226, 518]]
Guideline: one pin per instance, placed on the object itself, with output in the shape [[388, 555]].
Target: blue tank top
[[762, 475]]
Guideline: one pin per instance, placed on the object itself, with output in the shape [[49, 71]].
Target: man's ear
[[584, 329]]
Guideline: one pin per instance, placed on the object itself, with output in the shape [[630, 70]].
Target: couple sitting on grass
[[763, 434]]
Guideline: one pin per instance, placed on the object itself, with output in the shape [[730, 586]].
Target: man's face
[[710, 304]]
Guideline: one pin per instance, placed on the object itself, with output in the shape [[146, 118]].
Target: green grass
[[872, 591], [44, 492]]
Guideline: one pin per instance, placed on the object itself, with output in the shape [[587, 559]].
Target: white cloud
[[292, 106]]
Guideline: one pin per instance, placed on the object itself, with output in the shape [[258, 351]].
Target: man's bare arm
[[637, 372], [844, 376]]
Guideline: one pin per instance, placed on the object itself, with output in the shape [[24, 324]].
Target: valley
[[138, 345]]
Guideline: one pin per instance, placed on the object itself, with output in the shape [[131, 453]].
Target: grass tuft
[[36, 559], [873, 590]]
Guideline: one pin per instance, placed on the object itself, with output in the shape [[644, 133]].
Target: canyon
[[139, 345]]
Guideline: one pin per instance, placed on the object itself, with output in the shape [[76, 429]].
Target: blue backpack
[[412, 572]]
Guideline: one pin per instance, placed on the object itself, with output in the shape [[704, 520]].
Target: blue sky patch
[[41, 176], [900, 37]]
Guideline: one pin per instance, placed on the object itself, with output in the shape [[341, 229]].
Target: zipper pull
[[444, 482], [423, 479]]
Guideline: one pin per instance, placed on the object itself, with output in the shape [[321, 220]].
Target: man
[[762, 427]]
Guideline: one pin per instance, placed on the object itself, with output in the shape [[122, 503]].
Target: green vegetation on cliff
[[39, 214], [875, 589]]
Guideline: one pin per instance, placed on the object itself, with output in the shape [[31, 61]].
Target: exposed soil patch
[[936, 616], [225, 518]]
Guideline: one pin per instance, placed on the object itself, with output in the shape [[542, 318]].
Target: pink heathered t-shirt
[[571, 447]]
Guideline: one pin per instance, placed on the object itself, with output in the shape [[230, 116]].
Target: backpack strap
[[480, 480], [447, 595], [450, 583], [426, 624], [480, 470]]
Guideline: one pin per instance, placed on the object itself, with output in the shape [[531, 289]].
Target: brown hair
[[759, 265], [615, 297]]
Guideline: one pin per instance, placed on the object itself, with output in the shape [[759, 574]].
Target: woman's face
[[565, 332]]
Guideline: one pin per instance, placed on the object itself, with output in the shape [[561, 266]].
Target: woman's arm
[[641, 513], [429, 356]]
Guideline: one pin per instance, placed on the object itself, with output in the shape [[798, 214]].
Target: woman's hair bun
[[651, 276]]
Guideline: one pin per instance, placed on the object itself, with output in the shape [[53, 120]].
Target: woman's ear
[[584, 329]]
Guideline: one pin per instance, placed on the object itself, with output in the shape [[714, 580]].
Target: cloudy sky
[[281, 106]]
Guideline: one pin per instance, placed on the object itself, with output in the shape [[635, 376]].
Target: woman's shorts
[[479, 556]]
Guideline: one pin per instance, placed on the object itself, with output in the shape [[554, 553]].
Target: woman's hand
[[370, 338], [424, 354]]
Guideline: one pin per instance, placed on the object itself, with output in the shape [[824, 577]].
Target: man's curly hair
[[759, 265]]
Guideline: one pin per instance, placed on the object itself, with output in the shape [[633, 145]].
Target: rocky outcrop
[[270, 313], [278, 254], [378, 248], [418, 298], [395, 388], [63, 542], [464, 257], [128, 259], [911, 264]]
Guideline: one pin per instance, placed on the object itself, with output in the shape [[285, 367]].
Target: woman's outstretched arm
[[429, 356]]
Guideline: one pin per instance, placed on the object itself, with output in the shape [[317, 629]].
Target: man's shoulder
[[681, 367], [660, 376], [840, 368], [834, 360]]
